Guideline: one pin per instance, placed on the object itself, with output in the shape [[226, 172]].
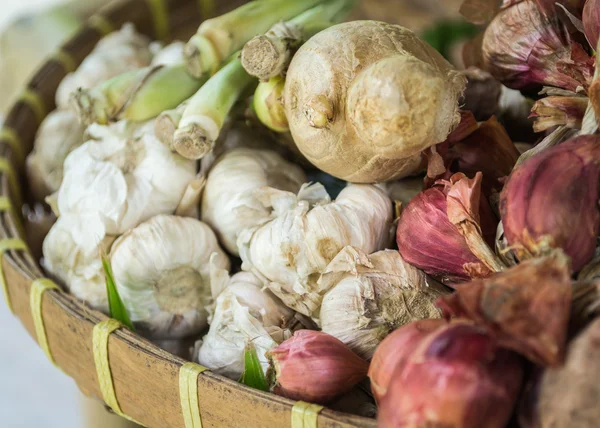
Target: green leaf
[[115, 304], [444, 34], [253, 375]]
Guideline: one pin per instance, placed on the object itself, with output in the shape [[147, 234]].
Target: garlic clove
[[315, 367], [369, 296], [58, 135], [305, 233], [72, 250], [229, 204], [243, 312], [125, 174]]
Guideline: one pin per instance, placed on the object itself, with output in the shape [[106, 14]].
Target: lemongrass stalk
[[137, 95], [268, 104], [207, 110], [218, 38], [166, 124], [268, 55]]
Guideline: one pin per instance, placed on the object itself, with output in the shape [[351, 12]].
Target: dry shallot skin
[[455, 377], [566, 396], [428, 239], [395, 349], [315, 367], [365, 98], [488, 150], [591, 21], [551, 201], [526, 308], [523, 49], [558, 111]]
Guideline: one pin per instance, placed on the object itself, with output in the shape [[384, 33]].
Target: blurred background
[[33, 393]]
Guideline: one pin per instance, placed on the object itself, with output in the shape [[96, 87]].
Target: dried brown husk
[[526, 307], [585, 305], [553, 111]]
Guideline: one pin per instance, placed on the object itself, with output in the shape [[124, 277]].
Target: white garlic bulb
[[115, 54], [370, 296], [125, 175], [169, 55], [162, 271], [228, 202], [57, 136], [244, 313], [307, 231], [72, 250]]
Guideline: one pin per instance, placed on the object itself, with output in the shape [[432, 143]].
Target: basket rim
[[69, 319]]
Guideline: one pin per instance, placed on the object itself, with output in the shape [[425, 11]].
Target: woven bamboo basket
[[132, 376]]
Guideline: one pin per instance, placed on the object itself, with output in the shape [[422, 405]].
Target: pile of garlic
[[61, 131], [237, 247]]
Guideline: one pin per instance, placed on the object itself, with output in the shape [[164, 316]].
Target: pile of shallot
[[381, 229]]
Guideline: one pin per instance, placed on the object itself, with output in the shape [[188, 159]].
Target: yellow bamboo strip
[[38, 288]]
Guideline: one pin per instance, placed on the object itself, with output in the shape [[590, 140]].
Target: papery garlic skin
[[125, 174], [228, 202], [591, 21], [169, 55], [369, 296], [542, 209], [58, 135], [523, 49], [307, 231], [162, 272], [244, 313], [72, 250], [118, 52]]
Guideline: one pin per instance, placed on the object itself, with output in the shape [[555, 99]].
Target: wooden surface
[[145, 377]]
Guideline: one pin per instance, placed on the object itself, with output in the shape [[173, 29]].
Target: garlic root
[[136, 95], [218, 38], [206, 111], [268, 55]]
